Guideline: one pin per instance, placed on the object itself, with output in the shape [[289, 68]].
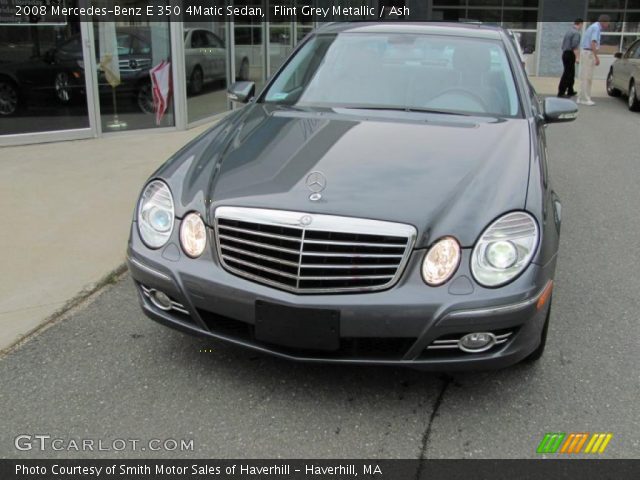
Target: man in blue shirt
[[589, 58]]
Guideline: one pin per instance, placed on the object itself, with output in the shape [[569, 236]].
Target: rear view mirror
[[558, 110], [618, 55], [241, 92]]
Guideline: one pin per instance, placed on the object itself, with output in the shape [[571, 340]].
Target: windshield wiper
[[411, 109]]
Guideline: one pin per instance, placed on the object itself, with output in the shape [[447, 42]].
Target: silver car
[[205, 59], [624, 76]]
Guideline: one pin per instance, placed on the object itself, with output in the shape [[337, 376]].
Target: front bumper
[[391, 327]]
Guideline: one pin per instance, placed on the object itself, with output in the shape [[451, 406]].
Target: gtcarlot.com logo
[[574, 443], [26, 442]]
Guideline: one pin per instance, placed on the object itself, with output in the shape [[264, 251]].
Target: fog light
[[477, 342], [160, 299]]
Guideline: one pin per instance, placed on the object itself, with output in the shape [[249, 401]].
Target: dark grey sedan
[[385, 199], [624, 76]]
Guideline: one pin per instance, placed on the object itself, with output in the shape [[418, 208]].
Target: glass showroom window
[[521, 16], [249, 45], [624, 28], [134, 72], [42, 84], [206, 64]]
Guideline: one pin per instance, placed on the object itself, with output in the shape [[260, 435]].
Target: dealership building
[[59, 81]]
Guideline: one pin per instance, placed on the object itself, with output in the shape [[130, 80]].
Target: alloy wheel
[[145, 99], [634, 103], [8, 98], [63, 91]]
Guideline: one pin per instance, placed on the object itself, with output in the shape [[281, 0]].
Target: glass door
[[44, 92]]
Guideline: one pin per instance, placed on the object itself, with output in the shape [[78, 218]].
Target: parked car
[[42, 78], [60, 72], [374, 204], [624, 76], [205, 59]]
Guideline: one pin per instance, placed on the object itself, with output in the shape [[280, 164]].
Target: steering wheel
[[474, 96]]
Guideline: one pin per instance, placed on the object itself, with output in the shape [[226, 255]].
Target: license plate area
[[294, 327]]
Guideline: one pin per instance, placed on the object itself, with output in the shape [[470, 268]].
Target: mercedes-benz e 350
[[384, 199]]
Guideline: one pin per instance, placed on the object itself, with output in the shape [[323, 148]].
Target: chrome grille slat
[[260, 256], [346, 266], [359, 255], [355, 244], [286, 249], [260, 267], [348, 277], [262, 234], [257, 244]]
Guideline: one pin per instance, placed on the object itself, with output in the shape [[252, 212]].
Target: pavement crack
[[426, 436]]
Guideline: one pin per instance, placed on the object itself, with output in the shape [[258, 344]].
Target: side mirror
[[241, 92], [559, 110], [618, 54]]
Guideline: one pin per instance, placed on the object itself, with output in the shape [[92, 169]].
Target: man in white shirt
[[589, 58]]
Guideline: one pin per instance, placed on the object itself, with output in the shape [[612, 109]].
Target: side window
[[214, 41], [633, 50], [636, 53], [199, 39]]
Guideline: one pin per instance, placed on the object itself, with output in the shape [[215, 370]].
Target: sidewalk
[[66, 213]]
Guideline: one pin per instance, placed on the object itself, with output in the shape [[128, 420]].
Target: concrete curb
[[83, 298]]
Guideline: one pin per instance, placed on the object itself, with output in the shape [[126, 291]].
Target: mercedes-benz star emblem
[[306, 220], [316, 182]]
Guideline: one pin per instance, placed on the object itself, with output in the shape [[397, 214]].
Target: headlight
[[505, 249], [193, 235], [441, 261], [155, 214]]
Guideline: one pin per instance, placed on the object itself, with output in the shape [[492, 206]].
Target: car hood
[[443, 174]]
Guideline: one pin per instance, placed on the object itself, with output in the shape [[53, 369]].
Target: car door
[[633, 63], [217, 56], [200, 47], [621, 70]]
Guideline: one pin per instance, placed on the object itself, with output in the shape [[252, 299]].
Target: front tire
[[611, 90], [538, 352], [144, 98], [634, 103], [63, 87], [9, 98], [196, 81]]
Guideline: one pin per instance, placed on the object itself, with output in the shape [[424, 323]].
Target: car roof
[[473, 30]]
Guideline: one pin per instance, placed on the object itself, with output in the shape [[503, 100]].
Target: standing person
[[589, 58], [570, 56]]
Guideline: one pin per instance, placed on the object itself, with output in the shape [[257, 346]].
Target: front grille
[[309, 253]]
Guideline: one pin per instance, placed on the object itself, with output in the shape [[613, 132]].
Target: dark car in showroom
[[624, 76], [384, 200], [59, 74]]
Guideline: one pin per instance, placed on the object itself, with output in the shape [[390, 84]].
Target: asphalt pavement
[[106, 372]]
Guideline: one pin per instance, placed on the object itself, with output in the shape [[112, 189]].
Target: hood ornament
[[316, 182]]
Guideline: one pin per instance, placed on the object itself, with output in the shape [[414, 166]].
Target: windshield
[[399, 71]]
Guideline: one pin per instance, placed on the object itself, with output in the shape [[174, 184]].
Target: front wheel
[[538, 352], [63, 87], [634, 103], [9, 98], [196, 81], [144, 99], [611, 90]]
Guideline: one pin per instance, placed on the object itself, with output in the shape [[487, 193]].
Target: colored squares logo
[[573, 443]]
